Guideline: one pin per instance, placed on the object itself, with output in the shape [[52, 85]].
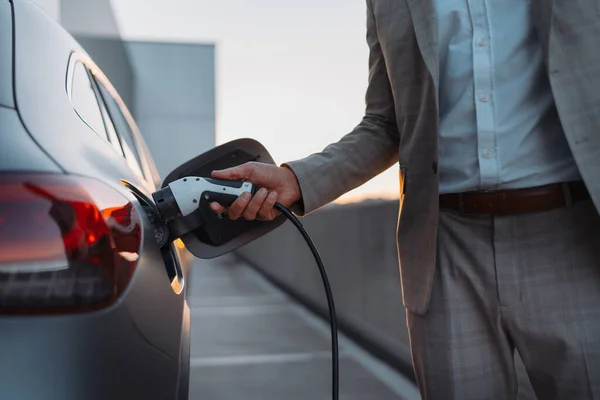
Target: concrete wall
[[358, 246], [175, 99]]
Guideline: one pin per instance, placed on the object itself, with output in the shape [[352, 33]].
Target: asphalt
[[251, 341]]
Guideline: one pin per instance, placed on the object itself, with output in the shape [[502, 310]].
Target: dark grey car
[[90, 306]]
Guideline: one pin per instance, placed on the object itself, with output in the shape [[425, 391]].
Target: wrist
[[295, 184]]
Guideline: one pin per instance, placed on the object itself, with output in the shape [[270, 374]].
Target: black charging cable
[[332, 317]]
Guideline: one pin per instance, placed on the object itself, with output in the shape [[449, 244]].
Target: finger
[[255, 204], [266, 212], [237, 208], [216, 207], [241, 172]]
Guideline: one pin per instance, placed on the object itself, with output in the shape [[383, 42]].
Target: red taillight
[[67, 244]]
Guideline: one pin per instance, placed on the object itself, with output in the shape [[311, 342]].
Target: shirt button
[[488, 153], [484, 98], [481, 43]]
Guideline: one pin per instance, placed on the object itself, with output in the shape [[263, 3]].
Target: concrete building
[[168, 87], [174, 96]]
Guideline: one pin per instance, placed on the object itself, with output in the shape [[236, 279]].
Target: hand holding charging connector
[[279, 184], [182, 197]]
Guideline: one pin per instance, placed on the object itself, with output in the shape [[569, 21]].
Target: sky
[[291, 74]]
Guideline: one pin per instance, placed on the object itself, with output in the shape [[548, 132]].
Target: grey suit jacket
[[401, 119]]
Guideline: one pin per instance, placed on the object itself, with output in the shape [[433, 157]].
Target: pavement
[[249, 340]]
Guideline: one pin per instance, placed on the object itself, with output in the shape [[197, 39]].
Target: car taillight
[[67, 244]]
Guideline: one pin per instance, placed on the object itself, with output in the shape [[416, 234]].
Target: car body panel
[[139, 346], [6, 43], [18, 151], [82, 357]]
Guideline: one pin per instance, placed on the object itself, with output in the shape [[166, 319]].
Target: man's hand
[[277, 184]]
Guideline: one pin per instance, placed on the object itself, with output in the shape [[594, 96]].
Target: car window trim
[[118, 146], [71, 69], [120, 137], [149, 171]]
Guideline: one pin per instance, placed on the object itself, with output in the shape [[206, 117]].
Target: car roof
[[6, 55]]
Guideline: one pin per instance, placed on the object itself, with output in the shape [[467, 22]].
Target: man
[[492, 108]]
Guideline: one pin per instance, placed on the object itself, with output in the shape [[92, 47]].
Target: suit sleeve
[[371, 148]]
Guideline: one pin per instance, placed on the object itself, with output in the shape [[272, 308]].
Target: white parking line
[[253, 309], [218, 301], [259, 359]]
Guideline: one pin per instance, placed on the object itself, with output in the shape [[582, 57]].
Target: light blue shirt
[[498, 123]]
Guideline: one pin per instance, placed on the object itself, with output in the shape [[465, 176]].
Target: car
[[91, 307]]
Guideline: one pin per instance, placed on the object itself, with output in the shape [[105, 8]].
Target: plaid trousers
[[529, 283]]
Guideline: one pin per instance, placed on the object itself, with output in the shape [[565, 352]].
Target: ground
[[251, 341]]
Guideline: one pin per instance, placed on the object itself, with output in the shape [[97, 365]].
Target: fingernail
[[246, 196], [263, 192], [273, 195]]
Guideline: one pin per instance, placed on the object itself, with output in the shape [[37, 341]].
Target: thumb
[[241, 172]]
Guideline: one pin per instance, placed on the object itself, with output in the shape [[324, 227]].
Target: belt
[[516, 201]]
